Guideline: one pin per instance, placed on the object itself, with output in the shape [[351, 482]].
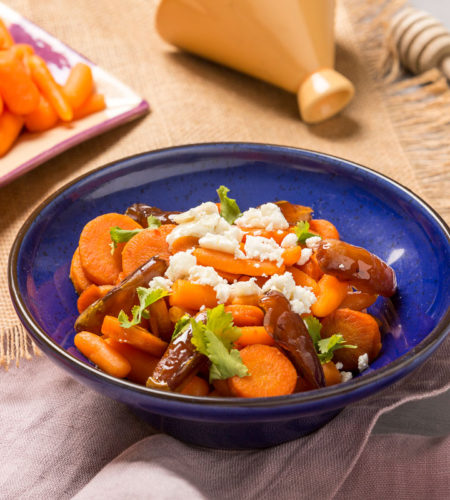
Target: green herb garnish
[[121, 236], [146, 297], [153, 222], [215, 340], [229, 209], [302, 231], [180, 325]]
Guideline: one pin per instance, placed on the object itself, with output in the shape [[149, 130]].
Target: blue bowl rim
[[388, 372]]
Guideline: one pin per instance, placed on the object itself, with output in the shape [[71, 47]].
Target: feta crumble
[[290, 240], [180, 265], [195, 213], [267, 216], [339, 365], [220, 242], [363, 362], [205, 275], [305, 256], [313, 242], [258, 247], [159, 282], [346, 376]]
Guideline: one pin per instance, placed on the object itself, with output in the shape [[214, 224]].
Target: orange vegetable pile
[[31, 99], [100, 268]]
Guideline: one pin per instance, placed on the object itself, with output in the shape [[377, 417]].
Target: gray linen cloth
[[60, 439]]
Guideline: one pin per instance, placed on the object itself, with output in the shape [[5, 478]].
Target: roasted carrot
[[332, 374], [145, 245], [90, 295], [183, 243], [1, 105], [323, 228], [93, 104], [357, 300], [226, 262], [254, 335], [271, 373], [79, 279], [10, 127], [42, 118], [357, 328], [303, 279], [142, 363], [176, 313], [160, 314], [103, 355], [136, 336], [245, 315], [250, 300], [121, 277], [230, 277], [6, 40], [196, 386], [312, 268], [19, 93], [192, 295], [49, 88], [79, 85], [291, 255], [332, 293], [277, 235], [22, 51], [99, 265]]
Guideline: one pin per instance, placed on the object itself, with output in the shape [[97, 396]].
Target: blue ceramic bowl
[[369, 210]]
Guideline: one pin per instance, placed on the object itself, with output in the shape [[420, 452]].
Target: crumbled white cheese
[[158, 282], [219, 242], [222, 292], [205, 275], [241, 288], [195, 213], [211, 223], [346, 376], [258, 247], [267, 216], [305, 256], [339, 365], [301, 298], [313, 242], [363, 362], [290, 240], [179, 265]]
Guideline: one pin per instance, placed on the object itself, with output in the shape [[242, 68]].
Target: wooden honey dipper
[[421, 40]]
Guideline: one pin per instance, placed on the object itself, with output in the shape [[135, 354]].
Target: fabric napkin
[[60, 438]]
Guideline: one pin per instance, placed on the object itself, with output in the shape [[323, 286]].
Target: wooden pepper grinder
[[421, 40]]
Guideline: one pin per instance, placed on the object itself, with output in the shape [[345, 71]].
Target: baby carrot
[[312, 268], [21, 51], [332, 293], [10, 127], [93, 104], [291, 255], [254, 335], [42, 118], [245, 315], [196, 386], [189, 295], [183, 243], [19, 93], [332, 374], [145, 245], [103, 355], [136, 336], [226, 262], [270, 373], [49, 88], [6, 40], [323, 228], [99, 265], [79, 279], [79, 85], [303, 279], [90, 295]]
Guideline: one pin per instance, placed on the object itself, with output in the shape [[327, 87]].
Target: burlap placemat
[[193, 100]]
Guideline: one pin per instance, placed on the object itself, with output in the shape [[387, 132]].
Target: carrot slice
[[91, 294], [103, 355], [271, 373], [99, 265], [142, 363], [324, 228], [145, 245], [79, 85], [277, 235], [358, 329], [254, 335], [42, 118], [93, 104], [10, 127], [226, 262], [332, 293], [245, 315], [292, 255], [312, 268], [176, 313], [6, 40], [50, 89], [183, 243], [79, 279], [189, 295], [332, 374], [196, 386], [136, 336]]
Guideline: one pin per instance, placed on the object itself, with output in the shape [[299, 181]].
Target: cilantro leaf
[[146, 297], [180, 325], [313, 325], [153, 222], [214, 339], [326, 347], [121, 236], [229, 209], [302, 231]]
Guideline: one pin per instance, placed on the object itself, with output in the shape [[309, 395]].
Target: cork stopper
[[421, 40], [323, 94]]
